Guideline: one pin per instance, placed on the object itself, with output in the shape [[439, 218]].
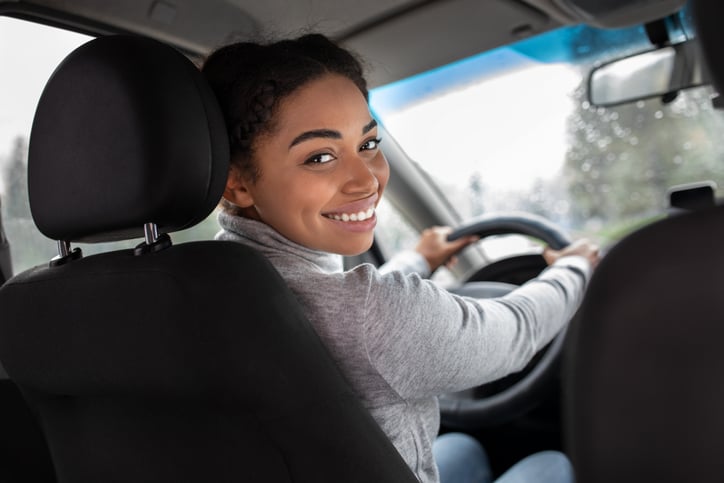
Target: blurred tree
[[16, 182], [477, 191], [621, 161]]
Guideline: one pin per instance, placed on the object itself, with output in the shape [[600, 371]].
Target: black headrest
[[126, 132], [707, 15]]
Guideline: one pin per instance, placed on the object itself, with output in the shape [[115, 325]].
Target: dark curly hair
[[251, 79]]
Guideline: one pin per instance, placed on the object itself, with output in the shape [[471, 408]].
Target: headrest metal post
[[150, 231], [65, 254], [154, 242], [63, 248]]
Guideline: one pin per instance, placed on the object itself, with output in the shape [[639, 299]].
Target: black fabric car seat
[[645, 362], [186, 362], [24, 455]]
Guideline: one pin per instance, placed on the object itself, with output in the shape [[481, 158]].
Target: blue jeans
[[461, 459]]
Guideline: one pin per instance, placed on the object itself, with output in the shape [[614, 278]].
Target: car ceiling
[[397, 38]]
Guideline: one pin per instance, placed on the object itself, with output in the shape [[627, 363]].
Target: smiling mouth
[[359, 216]]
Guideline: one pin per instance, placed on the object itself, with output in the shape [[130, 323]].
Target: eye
[[371, 144], [320, 158]]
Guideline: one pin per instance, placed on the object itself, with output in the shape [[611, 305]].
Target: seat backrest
[[645, 365], [24, 455], [188, 362]]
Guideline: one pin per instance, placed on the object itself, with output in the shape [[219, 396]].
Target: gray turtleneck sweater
[[401, 339]]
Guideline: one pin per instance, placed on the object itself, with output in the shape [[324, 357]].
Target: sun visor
[[619, 13]]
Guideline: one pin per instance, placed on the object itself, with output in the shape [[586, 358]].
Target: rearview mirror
[[655, 73]]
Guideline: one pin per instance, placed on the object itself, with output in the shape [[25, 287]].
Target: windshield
[[511, 129]]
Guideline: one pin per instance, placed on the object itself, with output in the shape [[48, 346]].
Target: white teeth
[[359, 216]]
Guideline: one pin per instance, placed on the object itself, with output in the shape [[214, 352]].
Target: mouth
[[356, 211], [348, 217]]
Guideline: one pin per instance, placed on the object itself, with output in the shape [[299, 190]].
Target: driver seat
[[645, 365], [167, 362]]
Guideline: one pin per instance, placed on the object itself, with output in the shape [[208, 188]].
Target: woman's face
[[322, 172]]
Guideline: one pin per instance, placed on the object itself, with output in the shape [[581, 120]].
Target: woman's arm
[[425, 341]]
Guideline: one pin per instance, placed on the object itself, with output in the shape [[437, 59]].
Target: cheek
[[298, 194]]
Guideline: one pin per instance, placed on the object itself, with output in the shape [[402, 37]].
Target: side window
[[394, 234], [29, 53]]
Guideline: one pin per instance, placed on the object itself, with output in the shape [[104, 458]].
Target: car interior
[[644, 399], [120, 361]]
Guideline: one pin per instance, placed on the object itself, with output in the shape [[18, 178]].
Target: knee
[[546, 466], [461, 457], [554, 464], [461, 445]]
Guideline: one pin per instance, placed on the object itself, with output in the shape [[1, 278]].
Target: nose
[[362, 174]]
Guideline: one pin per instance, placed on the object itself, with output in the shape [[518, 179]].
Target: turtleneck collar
[[271, 243]]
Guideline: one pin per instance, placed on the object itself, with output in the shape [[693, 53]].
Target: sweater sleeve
[[426, 341]]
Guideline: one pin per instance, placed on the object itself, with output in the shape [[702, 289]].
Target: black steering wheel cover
[[513, 222]]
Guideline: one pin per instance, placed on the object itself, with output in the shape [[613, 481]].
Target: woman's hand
[[433, 245], [583, 247]]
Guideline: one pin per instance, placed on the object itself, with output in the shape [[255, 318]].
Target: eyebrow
[[327, 133]]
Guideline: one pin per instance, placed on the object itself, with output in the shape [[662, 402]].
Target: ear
[[237, 189]]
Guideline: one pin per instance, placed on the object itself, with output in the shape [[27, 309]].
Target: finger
[[463, 242], [550, 255]]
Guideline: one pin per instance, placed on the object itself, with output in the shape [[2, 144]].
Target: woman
[[306, 176]]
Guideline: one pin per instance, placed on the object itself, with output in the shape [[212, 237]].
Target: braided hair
[[251, 79]]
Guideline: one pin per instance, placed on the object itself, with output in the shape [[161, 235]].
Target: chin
[[353, 250]]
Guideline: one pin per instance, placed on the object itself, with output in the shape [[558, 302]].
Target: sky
[[511, 129]]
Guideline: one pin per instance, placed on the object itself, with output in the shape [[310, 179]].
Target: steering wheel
[[517, 398]]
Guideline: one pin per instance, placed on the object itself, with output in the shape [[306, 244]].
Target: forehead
[[332, 102]]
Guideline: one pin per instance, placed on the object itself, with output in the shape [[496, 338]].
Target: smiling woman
[[306, 177], [481, 106], [331, 179]]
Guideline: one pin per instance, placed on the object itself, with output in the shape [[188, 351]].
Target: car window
[[395, 234], [30, 52], [512, 129]]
